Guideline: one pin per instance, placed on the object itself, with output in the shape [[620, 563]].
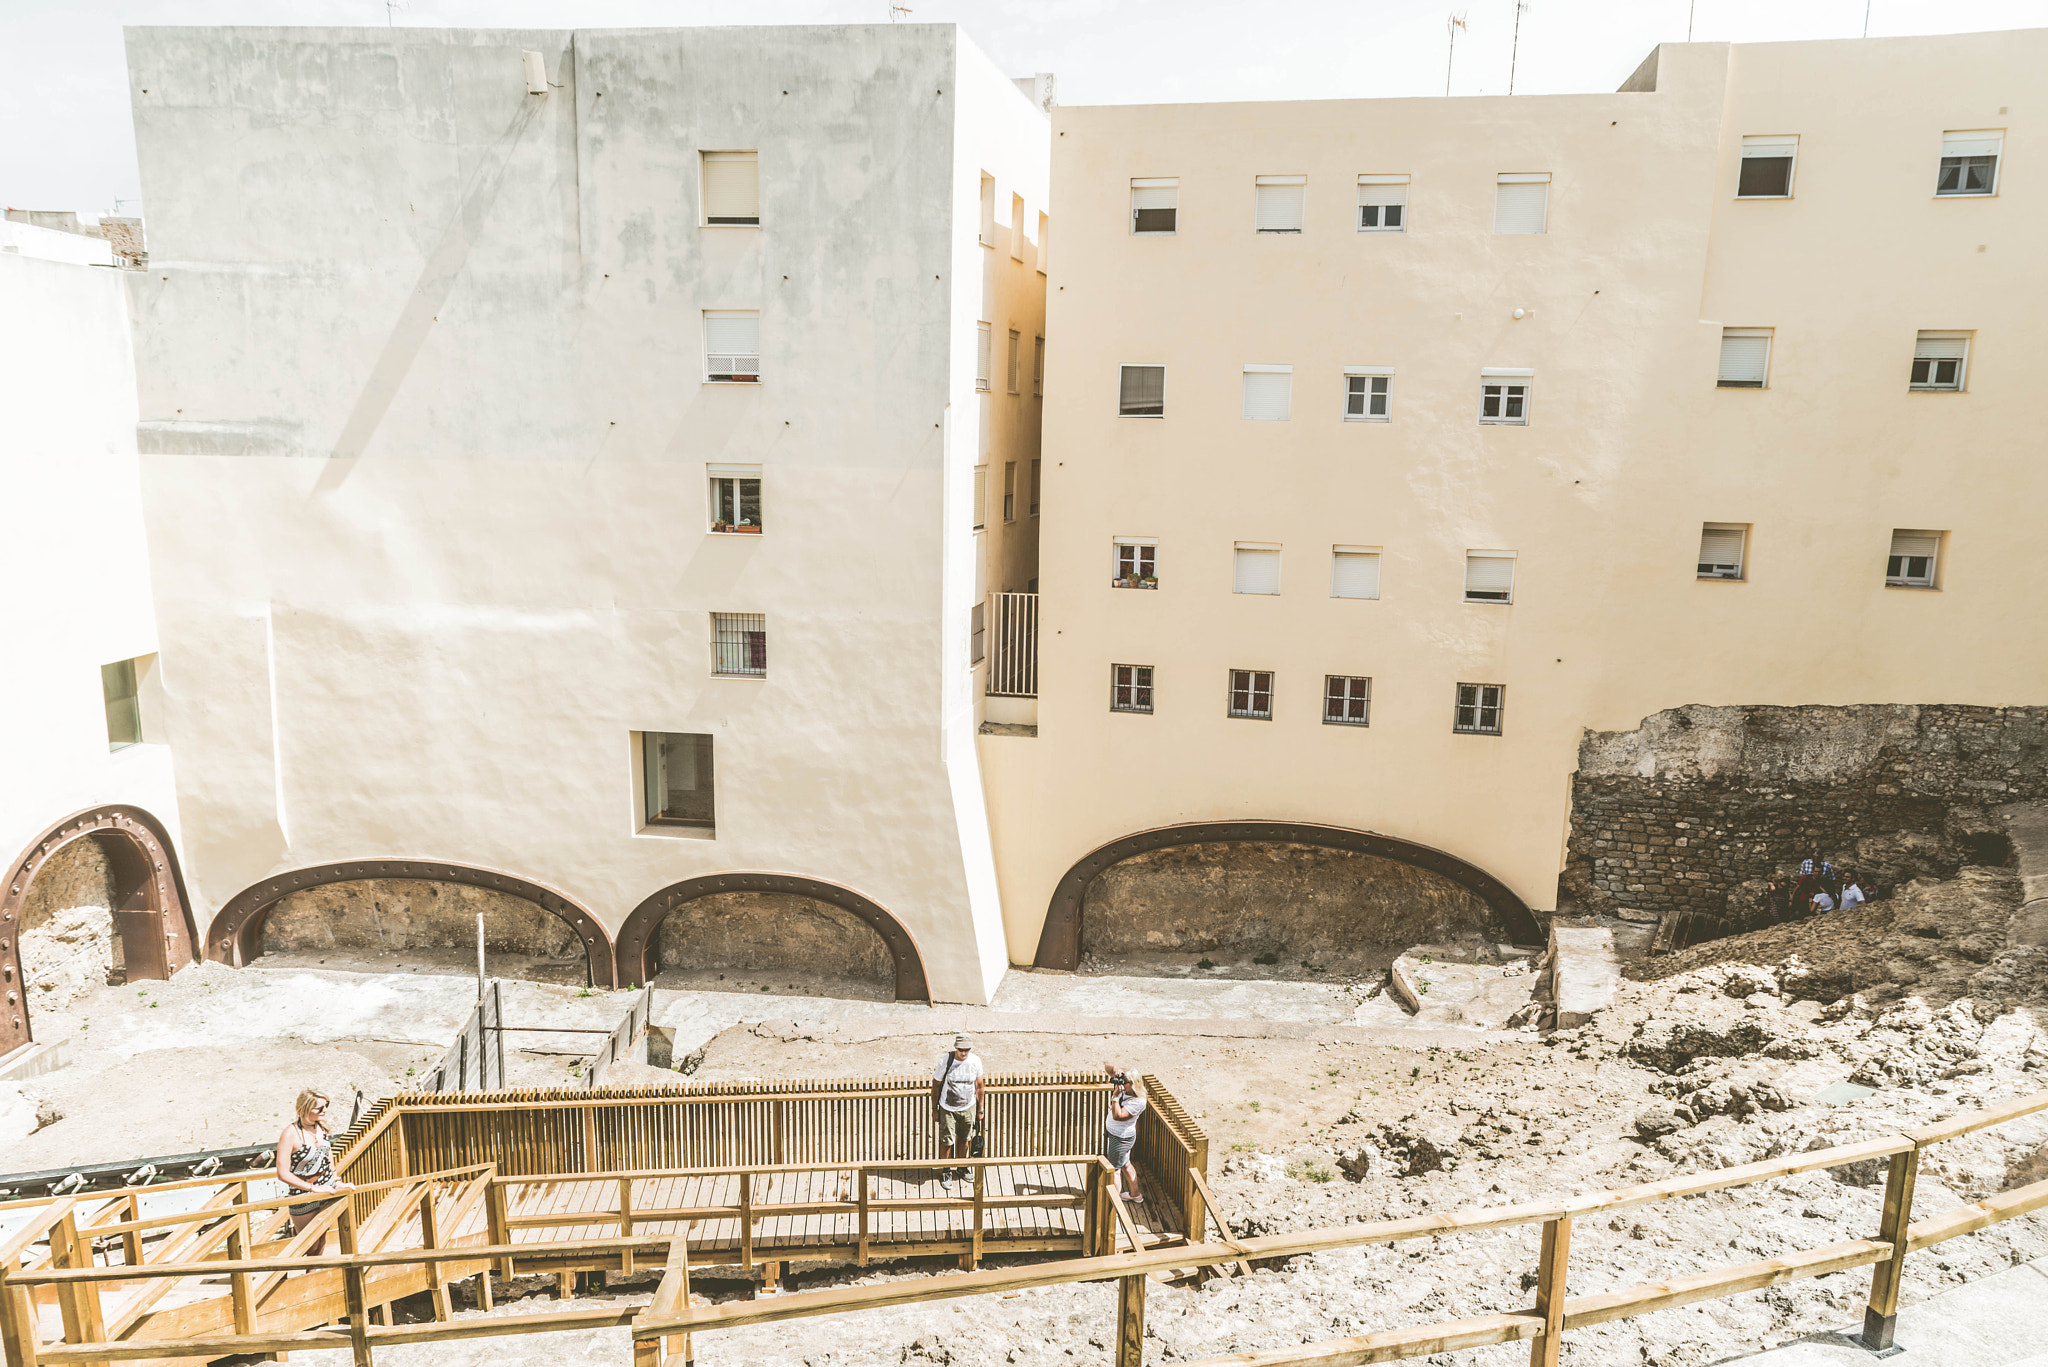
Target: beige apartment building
[[1393, 446]]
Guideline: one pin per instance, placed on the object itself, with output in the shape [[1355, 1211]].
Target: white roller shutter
[[1915, 544], [1745, 357], [1268, 395], [1490, 574], [1521, 203], [1355, 574], [1935, 347], [983, 345], [1256, 571], [732, 343], [1721, 552], [1279, 203], [732, 187], [1977, 144]]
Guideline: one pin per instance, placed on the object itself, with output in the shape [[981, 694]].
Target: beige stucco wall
[[1630, 446]]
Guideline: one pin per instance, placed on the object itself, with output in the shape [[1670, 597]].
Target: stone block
[[1581, 975]]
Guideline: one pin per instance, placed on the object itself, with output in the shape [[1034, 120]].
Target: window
[[1504, 396], [1009, 491], [1354, 572], [1383, 204], [1911, 563], [732, 346], [1268, 392], [1251, 694], [1969, 163], [1521, 203], [1721, 550], [1016, 231], [124, 704], [1766, 168], [1347, 701], [1038, 368], [1256, 568], [983, 345], [1142, 392], [1155, 205], [739, 644], [1745, 358], [980, 497], [1130, 688], [678, 774], [1016, 353], [1137, 563], [1479, 708], [1278, 203], [1489, 576], [988, 210], [1044, 240], [977, 635], [1938, 360], [732, 189], [1366, 392], [1036, 469], [736, 498]]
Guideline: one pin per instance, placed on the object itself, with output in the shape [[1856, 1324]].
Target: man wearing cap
[[956, 1102]]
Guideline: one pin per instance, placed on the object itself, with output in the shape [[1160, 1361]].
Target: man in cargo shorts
[[1120, 1128], [956, 1103]]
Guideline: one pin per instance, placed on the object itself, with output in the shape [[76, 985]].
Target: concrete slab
[[1993, 1322], [1582, 975]]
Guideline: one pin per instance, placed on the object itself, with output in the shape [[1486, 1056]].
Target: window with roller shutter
[[732, 189], [1504, 397], [1278, 203], [1489, 576], [1766, 171], [1721, 545], [984, 358], [1745, 358], [1969, 163], [1255, 568], [1383, 204], [1521, 202], [1354, 572], [732, 346], [1268, 392], [1911, 564], [1155, 205], [1938, 361], [1141, 391]]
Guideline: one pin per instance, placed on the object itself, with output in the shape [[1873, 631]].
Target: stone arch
[[1059, 942], [236, 934], [636, 945], [152, 916]]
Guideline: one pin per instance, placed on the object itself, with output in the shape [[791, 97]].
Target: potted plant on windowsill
[[1134, 581]]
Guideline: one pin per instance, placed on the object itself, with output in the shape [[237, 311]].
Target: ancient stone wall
[[767, 931], [1694, 809], [67, 926], [401, 913], [1240, 899]]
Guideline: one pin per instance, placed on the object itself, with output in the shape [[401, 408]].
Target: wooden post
[[358, 1305], [238, 1282], [131, 1242], [590, 1163], [1881, 1317], [861, 1174], [1130, 1321], [747, 1220], [17, 1322], [500, 1225], [79, 1301], [980, 1199], [565, 1286], [430, 1237], [1550, 1280], [625, 1225], [1090, 1204]]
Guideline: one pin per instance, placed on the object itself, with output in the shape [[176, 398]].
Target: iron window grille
[[1365, 397], [1479, 709], [679, 776], [1251, 694], [1347, 701], [1504, 401], [739, 644], [1137, 566], [1130, 688], [1141, 392]]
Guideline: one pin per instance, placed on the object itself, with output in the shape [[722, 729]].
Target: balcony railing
[[1013, 645]]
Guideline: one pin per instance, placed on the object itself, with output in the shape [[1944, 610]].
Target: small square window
[[1354, 572], [1969, 163], [1155, 205], [1009, 491], [984, 356], [1521, 203], [678, 773], [1347, 701], [1911, 563], [1038, 368], [1766, 171], [1251, 694], [1939, 360], [732, 189], [1504, 400], [732, 346], [980, 497], [1130, 688], [739, 644], [1721, 547], [1279, 202], [1383, 204], [736, 498], [1745, 358], [1268, 392], [124, 704], [1489, 576], [1479, 709], [1136, 564], [1366, 397], [1255, 569], [1141, 392], [1016, 358]]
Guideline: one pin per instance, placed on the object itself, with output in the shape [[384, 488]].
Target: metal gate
[[1013, 646]]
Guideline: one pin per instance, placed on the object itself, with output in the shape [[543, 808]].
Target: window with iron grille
[[1130, 688], [1366, 397], [1504, 399], [678, 773], [1479, 709], [1016, 354], [736, 498], [1141, 392], [732, 346], [1938, 361], [1009, 491], [1347, 701], [1137, 564], [1911, 562], [1969, 163], [739, 643], [1251, 694]]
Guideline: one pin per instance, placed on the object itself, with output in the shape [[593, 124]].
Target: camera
[[1120, 1080]]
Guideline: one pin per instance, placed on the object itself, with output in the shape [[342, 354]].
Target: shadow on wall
[[1288, 905], [781, 941], [379, 917], [68, 944]]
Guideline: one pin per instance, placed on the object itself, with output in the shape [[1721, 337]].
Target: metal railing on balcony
[[1013, 645]]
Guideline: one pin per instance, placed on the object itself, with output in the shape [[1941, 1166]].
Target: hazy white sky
[[66, 141]]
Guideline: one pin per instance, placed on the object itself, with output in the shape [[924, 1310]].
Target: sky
[[66, 141]]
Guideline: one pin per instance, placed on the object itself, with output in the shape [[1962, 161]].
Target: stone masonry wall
[[766, 931], [67, 926], [1692, 809], [404, 913]]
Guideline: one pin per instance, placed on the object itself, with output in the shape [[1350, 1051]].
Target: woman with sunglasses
[[305, 1161]]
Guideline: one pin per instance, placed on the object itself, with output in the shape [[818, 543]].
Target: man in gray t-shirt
[[956, 1102]]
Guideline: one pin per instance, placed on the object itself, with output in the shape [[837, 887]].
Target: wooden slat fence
[[476, 1061], [1168, 1151], [617, 1045]]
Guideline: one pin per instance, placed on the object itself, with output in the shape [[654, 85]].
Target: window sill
[[1152, 417], [1746, 197], [1967, 194], [1719, 579], [1383, 230], [1491, 602], [1346, 721], [1353, 417], [735, 531], [1933, 389], [755, 678], [664, 831], [753, 382], [755, 225], [1277, 232], [1914, 588], [1460, 731], [1131, 584], [1738, 384], [1503, 422]]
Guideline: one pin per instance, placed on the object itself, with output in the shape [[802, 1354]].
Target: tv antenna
[[391, 9], [895, 10], [1451, 26], [1516, 50]]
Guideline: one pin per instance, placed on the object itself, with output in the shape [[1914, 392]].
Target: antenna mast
[[1451, 26], [1516, 50]]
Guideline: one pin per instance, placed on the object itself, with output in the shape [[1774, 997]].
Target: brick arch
[[152, 914], [1059, 942], [236, 934], [636, 936]]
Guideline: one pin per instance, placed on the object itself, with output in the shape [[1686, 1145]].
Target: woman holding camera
[[1126, 1104]]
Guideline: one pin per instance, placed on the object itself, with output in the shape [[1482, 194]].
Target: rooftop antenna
[[391, 8], [1451, 26], [1866, 18], [1691, 5], [895, 10], [1515, 50]]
